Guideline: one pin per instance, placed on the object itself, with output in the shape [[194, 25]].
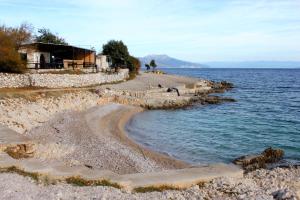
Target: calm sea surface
[[267, 113]]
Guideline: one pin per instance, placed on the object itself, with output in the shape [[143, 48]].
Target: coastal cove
[[266, 114], [150, 100], [75, 137]]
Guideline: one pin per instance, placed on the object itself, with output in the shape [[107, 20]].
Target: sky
[[193, 30]]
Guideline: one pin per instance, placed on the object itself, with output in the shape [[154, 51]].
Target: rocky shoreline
[[58, 118]]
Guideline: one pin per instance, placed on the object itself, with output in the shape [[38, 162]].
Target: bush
[[10, 60], [134, 64]]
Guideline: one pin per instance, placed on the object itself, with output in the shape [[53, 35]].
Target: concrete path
[[10, 137], [180, 179]]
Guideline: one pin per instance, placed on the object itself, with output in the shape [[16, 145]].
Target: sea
[[266, 114]]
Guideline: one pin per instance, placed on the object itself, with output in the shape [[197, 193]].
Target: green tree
[[153, 64], [46, 36], [118, 52], [147, 67]]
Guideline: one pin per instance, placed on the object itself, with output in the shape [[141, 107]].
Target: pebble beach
[[86, 127]]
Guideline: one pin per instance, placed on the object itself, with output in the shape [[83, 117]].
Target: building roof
[[52, 46]]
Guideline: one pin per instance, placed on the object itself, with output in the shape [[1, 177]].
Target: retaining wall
[[59, 80]]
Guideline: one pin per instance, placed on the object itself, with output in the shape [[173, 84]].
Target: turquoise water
[[267, 113]]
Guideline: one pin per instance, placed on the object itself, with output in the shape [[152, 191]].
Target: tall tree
[[18, 35], [118, 52], [46, 36], [153, 64]]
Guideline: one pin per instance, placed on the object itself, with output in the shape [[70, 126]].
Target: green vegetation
[[11, 39], [34, 176], [46, 36], [118, 52], [120, 57], [147, 67], [155, 189], [151, 64], [78, 181], [161, 188]]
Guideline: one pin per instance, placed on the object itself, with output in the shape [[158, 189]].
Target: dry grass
[[13, 169], [155, 189], [78, 181]]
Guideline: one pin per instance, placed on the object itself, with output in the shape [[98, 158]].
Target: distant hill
[[164, 61], [255, 64]]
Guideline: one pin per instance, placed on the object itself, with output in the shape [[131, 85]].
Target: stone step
[[10, 137], [182, 178], [179, 179]]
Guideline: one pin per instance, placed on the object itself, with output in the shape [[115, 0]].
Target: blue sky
[[194, 30]]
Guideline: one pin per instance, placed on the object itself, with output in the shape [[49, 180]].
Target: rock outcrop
[[253, 162]]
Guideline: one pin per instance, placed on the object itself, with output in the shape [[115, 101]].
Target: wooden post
[[84, 59], [90, 58], [96, 68], [73, 58]]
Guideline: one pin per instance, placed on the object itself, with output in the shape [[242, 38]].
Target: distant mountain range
[[164, 61]]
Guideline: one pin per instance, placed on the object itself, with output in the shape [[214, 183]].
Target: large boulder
[[253, 162]]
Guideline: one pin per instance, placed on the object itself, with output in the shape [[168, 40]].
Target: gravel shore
[[95, 136], [74, 128]]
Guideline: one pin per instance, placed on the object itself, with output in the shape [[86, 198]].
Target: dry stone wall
[[59, 80]]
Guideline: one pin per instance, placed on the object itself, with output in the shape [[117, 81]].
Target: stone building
[[103, 62]]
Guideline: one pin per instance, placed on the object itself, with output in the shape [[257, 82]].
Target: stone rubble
[[22, 115]]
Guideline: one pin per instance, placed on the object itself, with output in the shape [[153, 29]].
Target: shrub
[[10, 60], [11, 39], [134, 65]]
